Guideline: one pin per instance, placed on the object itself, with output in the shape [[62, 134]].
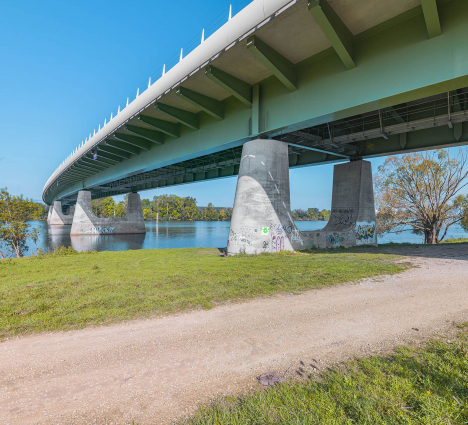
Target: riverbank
[[177, 234], [156, 370], [412, 386], [58, 292]]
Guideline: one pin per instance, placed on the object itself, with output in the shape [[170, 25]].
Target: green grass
[[55, 292], [413, 386], [455, 240]]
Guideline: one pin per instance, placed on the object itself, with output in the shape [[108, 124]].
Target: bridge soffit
[[143, 138]]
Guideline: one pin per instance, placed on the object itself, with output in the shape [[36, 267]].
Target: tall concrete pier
[[261, 218], [56, 216], [86, 223], [352, 215]]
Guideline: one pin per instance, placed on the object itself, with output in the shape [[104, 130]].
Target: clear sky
[[66, 65]]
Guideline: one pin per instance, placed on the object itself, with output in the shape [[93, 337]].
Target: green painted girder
[[72, 180], [151, 135], [394, 114], [181, 115], [93, 164], [431, 16], [211, 106], [74, 173], [84, 175], [167, 127], [233, 85], [400, 120], [136, 141], [122, 146], [255, 109], [457, 107], [111, 153], [79, 166], [80, 173], [102, 160], [334, 29], [279, 66], [84, 164]]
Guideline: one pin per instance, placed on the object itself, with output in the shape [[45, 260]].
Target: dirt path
[[153, 370]]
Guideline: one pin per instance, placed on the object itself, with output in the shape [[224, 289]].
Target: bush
[[61, 251]]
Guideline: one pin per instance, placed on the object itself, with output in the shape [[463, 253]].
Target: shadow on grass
[[456, 251]]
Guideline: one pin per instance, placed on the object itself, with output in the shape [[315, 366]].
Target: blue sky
[[65, 66]]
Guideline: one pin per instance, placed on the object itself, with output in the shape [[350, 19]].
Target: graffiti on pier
[[296, 236], [335, 238], [341, 217], [277, 243], [232, 237], [98, 230], [266, 245], [288, 229], [264, 230], [243, 237], [365, 233]]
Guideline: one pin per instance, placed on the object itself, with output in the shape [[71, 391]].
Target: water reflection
[[107, 242], [178, 234]]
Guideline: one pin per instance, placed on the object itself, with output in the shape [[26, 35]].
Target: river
[[176, 234]]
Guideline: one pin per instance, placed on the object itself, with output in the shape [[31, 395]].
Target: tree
[[15, 212], [189, 208], [464, 221], [146, 207], [210, 213], [103, 207], [422, 191]]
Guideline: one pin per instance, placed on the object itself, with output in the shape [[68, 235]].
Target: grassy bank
[[70, 291], [455, 240], [423, 386]]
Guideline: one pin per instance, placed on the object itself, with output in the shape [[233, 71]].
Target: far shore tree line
[[173, 207], [164, 208], [419, 192]]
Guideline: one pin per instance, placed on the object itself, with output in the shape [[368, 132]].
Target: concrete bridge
[[304, 83]]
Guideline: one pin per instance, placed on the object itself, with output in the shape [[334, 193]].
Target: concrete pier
[[57, 218], [261, 219], [352, 215], [86, 223]]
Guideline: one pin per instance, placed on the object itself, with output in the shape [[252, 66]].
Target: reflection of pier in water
[[104, 242]]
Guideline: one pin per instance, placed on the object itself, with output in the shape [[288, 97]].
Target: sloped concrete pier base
[[86, 223], [261, 219], [352, 216], [57, 218]]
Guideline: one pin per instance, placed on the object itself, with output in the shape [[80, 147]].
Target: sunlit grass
[[70, 291], [413, 386], [455, 240]]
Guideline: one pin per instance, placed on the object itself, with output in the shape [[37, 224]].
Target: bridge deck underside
[[424, 124], [388, 85]]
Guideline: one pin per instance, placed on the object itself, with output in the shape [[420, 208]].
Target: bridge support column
[[261, 218], [86, 223], [57, 217], [352, 216]]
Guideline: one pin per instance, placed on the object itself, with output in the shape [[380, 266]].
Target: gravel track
[[152, 371]]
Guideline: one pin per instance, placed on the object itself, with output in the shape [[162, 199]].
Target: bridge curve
[[336, 81]]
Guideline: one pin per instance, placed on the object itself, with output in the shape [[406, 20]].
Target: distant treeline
[[169, 207], [173, 207], [312, 214]]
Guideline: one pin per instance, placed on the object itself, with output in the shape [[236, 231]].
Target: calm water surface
[[179, 234]]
